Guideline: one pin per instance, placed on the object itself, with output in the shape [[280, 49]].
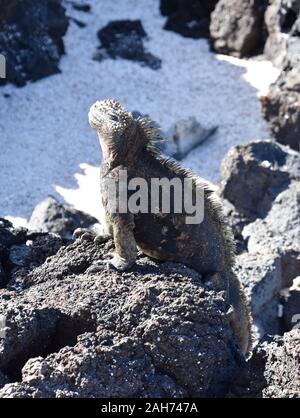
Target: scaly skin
[[207, 247]]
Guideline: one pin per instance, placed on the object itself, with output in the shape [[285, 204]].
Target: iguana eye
[[114, 117]]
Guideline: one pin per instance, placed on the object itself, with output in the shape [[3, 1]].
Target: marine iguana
[[208, 247]]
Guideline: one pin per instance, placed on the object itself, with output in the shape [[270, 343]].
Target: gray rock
[[261, 275], [273, 260], [236, 26], [182, 137], [281, 106], [10, 236], [278, 233], [52, 216], [269, 258], [21, 249], [291, 307], [19, 254], [28, 332], [255, 173], [156, 330], [282, 20], [274, 367]]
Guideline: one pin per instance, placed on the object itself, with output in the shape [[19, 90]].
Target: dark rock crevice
[[23, 251], [274, 368], [42, 332], [190, 18], [289, 21]]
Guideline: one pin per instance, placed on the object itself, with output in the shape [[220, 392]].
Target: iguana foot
[[117, 262], [120, 263], [85, 234]]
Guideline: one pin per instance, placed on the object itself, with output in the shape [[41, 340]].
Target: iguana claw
[[85, 234]]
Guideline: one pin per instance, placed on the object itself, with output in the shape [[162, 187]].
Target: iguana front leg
[[124, 257], [125, 247]]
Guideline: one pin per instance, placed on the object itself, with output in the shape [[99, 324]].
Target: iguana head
[[115, 126]]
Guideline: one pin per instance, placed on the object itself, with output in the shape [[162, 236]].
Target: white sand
[[46, 146]]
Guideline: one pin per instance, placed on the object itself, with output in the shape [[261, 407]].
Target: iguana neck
[[124, 152]]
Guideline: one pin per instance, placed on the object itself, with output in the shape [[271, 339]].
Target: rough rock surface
[[125, 39], [272, 261], [291, 304], [9, 236], [279, 232], [255, 173], [31, 38], [261, 181], [52, 216], [274, 368], [236, 27], [282, 19], [281, 106], [22, 250], [156, 330], [190, 18], [261, 275]]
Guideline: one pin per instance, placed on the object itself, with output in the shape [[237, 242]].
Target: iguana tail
[[240, 316]]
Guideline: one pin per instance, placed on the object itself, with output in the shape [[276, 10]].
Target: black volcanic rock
[[281, 106], [125, 39], [274, 367], [255, 173], [237, 27], [190, 18], [154, 331], [278, 233], [283, 26], [21, 249], [272, 262], [261, 181], [52, 216], [31, 38]]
